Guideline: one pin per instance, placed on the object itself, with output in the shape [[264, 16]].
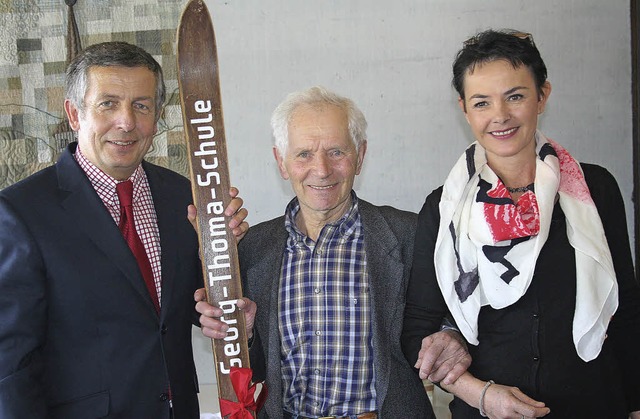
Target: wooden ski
[[199, 85]]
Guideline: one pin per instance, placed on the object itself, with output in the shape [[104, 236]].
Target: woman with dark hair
[[527, 252]]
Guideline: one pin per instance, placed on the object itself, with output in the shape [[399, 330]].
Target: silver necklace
[[520, 188]]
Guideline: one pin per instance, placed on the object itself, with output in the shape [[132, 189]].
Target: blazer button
[[164, 397], [163, 329]]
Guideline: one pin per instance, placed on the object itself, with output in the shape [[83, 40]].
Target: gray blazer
[[388, 236]]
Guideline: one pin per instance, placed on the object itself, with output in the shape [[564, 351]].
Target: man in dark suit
[[88, 330], [329, 279]]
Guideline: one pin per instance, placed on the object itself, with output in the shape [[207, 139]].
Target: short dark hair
[[510, 45], [108, 54]]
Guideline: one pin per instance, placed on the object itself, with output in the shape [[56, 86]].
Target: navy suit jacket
[[79, 336], [388, 238]]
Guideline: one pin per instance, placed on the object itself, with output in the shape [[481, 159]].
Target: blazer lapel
[[386, 272], [265, 294], [88, 213], [386, 269], [167, 225]]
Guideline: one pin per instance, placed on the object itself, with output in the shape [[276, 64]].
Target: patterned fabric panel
[[33, 62]]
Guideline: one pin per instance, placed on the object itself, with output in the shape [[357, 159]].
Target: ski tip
[[194, 8], [195, 19]]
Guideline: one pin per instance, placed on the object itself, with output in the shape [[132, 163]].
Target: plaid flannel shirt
[[325, 319]]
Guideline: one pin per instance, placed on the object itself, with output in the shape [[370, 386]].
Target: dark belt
[[367, 415]]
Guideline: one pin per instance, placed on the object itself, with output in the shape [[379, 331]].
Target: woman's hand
[[504, 402], [498, 402]]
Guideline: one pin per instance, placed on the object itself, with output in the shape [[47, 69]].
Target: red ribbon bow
[[245, 390]]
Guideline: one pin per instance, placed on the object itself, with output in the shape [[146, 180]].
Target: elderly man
[[329, 279], [98, 262]]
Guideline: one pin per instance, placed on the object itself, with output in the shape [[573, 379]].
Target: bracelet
[[481, 402]]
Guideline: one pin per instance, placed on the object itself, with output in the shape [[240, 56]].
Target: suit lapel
[[386, 268], [167, 225], [89, 214], [386, 272], [266, 293]]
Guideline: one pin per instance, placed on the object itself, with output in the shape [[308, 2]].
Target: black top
[[529, 344]]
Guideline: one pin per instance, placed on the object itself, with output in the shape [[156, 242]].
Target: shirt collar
[[345, 226], [104, 183]]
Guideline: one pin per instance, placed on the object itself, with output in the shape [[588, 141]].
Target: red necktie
[[128, 229]]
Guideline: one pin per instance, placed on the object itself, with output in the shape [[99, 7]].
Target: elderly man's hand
[[216, 329], [237, 223], [443, 357]]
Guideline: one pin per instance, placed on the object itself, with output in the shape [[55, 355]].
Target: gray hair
[[315, 96], [110, 54]]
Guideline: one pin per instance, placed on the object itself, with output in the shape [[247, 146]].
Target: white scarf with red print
[[487, 247]]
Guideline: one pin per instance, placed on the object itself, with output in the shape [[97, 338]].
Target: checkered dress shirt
[[144, 212], [325, 319]]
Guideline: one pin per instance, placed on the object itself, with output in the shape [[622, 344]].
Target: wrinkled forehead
[[319, 124]]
